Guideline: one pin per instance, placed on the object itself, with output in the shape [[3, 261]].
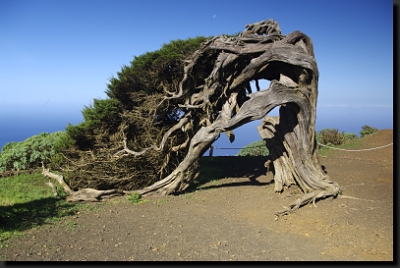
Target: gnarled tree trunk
[[215, 96], [288, 61]]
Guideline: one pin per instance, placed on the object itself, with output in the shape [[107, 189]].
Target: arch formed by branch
[[215, 96], [221, 72]]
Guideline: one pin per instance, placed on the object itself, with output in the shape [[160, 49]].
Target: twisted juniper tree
[[215, 96]]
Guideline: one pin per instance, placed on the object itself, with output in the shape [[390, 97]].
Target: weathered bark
[[53, 188], [293, 163], [290, 65]]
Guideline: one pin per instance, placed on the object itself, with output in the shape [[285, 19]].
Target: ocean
[[345, 119], [19, 125]]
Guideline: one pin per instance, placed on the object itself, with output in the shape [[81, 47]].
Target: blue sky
[[56, 56]]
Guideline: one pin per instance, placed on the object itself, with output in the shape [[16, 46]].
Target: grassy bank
[[26, 202]]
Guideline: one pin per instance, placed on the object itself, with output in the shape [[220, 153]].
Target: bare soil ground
[[233, 219]]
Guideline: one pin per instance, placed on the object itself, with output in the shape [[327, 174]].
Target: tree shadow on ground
[[220, 167], [235, 184], [23, 216]]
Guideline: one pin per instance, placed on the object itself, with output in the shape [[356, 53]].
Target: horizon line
[[357, 105]]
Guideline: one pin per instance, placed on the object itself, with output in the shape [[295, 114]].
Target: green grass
[[161, 201], [26, 202], [24, 188], [350, 145], [135, 198]]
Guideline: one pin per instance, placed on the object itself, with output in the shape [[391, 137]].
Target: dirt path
[[233, 219]]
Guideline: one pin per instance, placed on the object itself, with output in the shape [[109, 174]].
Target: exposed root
[[59, 178], [165, 186], [308, 198], [90, 195], [352, 197], [87, 194]]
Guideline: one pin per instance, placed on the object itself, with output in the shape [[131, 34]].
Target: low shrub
[[256, 148], [367, 130], [331, 136], [31, 152]]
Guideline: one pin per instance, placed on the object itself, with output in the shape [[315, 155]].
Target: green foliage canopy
[[136, 111], [134, 96]]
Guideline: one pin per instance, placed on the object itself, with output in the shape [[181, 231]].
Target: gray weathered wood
[[261, 53]]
